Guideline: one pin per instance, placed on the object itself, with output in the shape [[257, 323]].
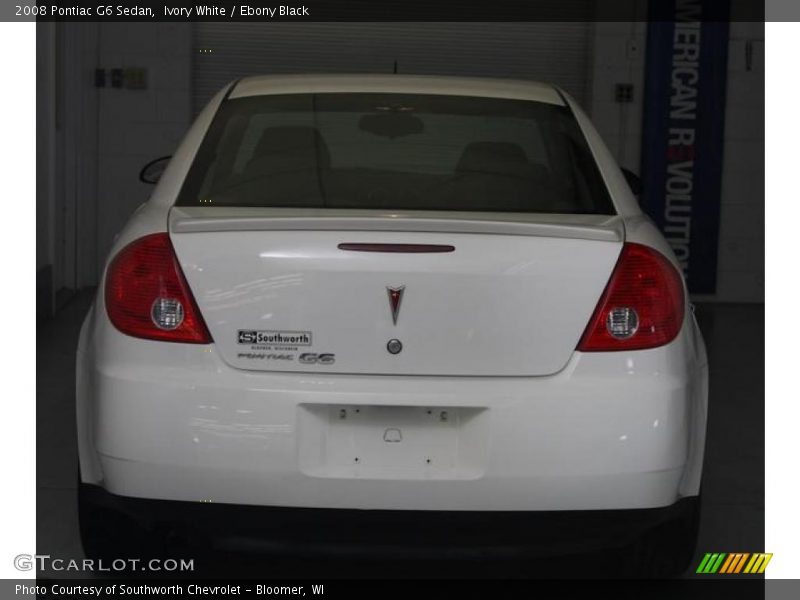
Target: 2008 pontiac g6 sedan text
[[424, 310]]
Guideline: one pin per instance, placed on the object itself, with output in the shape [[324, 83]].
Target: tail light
[[641, 307], [147, 295]]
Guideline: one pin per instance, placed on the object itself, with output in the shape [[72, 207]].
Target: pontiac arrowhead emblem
[[395, 298]]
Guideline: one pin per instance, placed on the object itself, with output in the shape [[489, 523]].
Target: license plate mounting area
[[392, 442]]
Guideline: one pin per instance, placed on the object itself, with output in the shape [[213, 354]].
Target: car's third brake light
[[147, 296], [641, 307]]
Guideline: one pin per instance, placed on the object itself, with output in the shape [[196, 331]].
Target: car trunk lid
[[412, 293]]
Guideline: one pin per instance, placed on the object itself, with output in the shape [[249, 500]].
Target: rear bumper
[[389, 534], [174, 422]]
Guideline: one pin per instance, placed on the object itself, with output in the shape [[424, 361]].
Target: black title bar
[[389, 10]]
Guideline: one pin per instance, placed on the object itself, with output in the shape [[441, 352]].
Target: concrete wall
[[45, 165], [740, 271], [92, 141], [136, 126], [619, 56], [45, 116], [66, 157], [76, 166]]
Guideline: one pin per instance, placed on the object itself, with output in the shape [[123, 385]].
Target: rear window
[[396, 152]]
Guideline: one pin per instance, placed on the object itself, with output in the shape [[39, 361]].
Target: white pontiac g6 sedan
[[394, 313]]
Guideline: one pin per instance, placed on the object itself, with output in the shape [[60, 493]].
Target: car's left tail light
[[147, 295]]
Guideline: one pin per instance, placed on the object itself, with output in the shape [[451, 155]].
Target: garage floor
[[733, 511]]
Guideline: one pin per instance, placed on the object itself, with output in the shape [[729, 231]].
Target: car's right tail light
[[148, 297], [641, 307]]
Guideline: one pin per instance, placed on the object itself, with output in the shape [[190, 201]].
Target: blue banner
[[684, 119]]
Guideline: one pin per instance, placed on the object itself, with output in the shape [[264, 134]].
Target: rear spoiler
[[204, 219]]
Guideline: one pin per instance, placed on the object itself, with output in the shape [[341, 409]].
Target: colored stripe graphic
[[739, 566], [704, 563], [711, 562], [733, 563], [758, 563], [718, 562]]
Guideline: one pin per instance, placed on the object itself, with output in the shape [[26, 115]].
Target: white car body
[[460, 420]]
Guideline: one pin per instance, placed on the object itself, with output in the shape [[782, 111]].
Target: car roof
[[517, 89]]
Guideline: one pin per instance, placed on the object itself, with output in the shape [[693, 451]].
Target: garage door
[[554, 52]]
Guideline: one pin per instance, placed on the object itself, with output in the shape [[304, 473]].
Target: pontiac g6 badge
[[395, 298]]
